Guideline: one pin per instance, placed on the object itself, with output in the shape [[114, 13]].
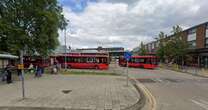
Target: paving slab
[[71, 92]]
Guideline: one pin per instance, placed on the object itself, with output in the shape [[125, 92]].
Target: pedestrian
[[31, 68], [54, 68], [8, 73], [42, 69], [38, 71], [19, 73]]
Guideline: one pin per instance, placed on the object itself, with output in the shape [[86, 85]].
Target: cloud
[[125, 23]]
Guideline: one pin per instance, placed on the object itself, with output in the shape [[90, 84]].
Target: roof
[[8, 56]]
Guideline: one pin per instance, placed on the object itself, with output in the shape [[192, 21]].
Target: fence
[[186, 69]]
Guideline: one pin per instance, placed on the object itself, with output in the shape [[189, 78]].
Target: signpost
[[127, 56]]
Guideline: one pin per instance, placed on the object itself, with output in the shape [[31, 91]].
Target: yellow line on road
[[151, 101]]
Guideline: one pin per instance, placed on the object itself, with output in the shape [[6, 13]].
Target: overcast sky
[[125, 23]]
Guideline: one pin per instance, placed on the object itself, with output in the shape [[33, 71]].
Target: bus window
[[132, 60], [90, 60], [84, 60], [141, 60]]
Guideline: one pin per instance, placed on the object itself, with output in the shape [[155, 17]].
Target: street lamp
[[65, 55]]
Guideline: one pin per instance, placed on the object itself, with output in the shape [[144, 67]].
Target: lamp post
[[65, 55], [65, 65]]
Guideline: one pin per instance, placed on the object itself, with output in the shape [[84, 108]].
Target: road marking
[[201, 103], [148, 94]]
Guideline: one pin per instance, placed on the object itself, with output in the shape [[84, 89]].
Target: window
[[137, 60], [206, 39], [207, 32], [192, 44], [157, 43], [206, 43], [91, 60], [149, 47], [192, 38], [153, 45]]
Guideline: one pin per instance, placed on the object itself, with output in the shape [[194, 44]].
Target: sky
[[126, 23]]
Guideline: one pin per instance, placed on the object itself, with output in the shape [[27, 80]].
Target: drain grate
[[66, 91], [146, 80]]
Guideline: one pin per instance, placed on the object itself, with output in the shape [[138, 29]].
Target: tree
[[31, 25], [173, 48], [142, 50], [161, 51], [180, 45]]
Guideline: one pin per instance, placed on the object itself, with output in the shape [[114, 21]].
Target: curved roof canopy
[[8, 56]]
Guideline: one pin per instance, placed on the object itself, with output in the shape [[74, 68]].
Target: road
[[174, 90]]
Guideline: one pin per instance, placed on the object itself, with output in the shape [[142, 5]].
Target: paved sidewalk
[[87, 92]]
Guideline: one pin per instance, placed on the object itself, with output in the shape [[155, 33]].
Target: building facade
[[114, 52], [197, 39]]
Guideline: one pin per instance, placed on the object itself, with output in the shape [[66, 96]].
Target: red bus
[[35, 60], [148, 62], [84, 61]]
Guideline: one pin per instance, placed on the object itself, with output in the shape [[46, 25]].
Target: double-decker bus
[[148, 62], [80, 61]]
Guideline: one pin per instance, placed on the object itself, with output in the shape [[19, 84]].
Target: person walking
[[31, 68], [8, 73], [54, 68], [38, 71]]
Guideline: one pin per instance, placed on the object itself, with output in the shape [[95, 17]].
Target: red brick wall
[[200, 36], [185, 35]]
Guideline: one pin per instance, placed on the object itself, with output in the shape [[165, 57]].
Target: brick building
[[197, 38]]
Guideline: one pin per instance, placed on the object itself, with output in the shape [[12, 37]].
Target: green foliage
[[31, 25], [161, 49], [173, 47], [142, 49]]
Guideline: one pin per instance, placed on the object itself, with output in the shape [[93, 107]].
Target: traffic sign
[[127, 55]]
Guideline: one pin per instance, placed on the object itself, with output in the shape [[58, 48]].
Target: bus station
[[103, 55]]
